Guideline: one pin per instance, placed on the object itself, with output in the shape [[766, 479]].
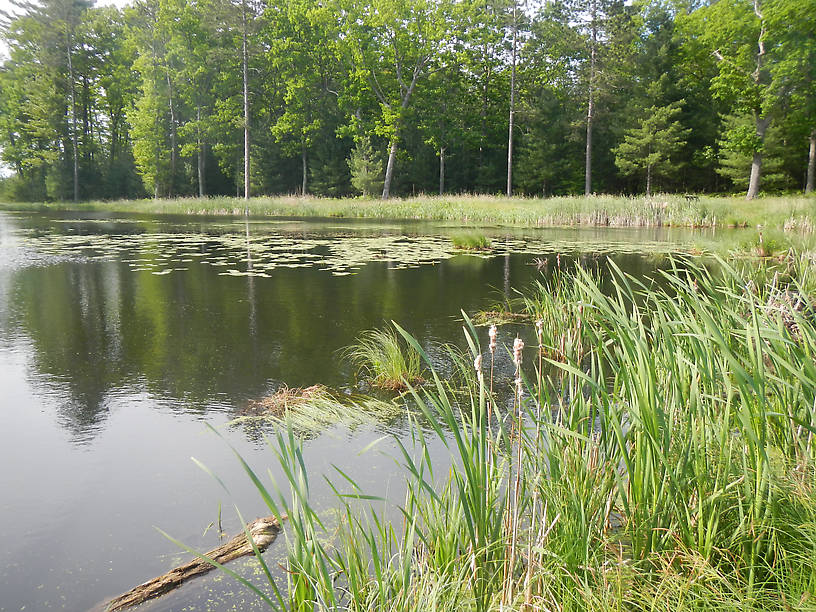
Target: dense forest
[[171, 98]]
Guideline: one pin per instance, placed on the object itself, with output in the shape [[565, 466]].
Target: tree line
[[175, 98]]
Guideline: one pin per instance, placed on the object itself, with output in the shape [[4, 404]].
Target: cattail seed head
[[518, 347], [477, 363], [492, 333], [519, 387]]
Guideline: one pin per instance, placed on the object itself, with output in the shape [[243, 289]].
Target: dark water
[[121, 338]]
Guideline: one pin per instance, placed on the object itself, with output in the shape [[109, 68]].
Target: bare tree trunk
[[171, 190], [512, 106], [649, 180], [811, 171], [73, 116], [245, 53], [441, 170], [762, 124], [392, 154], [303, 160], [157, 161], [389, 168], [590, 105], [202, 159]]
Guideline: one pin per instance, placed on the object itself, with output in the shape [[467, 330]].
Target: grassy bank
[[653, 457], [793, 212]]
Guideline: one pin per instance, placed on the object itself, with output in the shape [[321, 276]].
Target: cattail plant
[[679, 475], [492, 333], [514, 506]]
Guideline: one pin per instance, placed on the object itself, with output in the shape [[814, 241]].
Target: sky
[[6, 5]]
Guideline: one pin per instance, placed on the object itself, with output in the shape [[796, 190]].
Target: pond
[[122, 337]]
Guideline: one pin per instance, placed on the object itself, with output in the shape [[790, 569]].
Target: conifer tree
[[649, 147], [366, 168]]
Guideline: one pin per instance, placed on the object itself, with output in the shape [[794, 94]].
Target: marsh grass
[[311, 410], [797, 213], [669, 464], [286, 399], [499, 316], [471, 241], [385, 359]]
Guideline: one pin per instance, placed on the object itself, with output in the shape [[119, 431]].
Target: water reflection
[[200, 337], [108, 365]]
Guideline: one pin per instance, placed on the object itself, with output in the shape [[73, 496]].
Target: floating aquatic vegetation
[[312, 410], [339, 252], [499, 317]]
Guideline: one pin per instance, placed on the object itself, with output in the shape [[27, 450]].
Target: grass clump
[[286, 399], [385, 359], [309, 411], [501, 316], [471, 241], [670, 463]]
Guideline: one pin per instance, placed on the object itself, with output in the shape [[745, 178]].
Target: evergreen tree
[[366, 167], [649, 148]]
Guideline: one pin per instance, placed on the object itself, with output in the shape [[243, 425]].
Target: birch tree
[[391, 46], [743, 37]]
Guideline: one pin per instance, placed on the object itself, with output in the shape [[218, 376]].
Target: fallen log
[[263, 531]]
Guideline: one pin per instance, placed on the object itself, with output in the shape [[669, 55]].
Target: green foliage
[[387, 361], [472, 241], [157, 94], [649, 148], [736, 150], [670, 463], [366, 167]]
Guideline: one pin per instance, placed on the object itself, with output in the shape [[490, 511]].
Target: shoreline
[[791, 213]]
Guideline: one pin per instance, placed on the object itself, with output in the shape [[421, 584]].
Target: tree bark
[[648, 180], [441, 170], [245, 53], [74, 142], [590, 105], [202, 157], [305, 169], [262, 532], [392, 154], [762, 124], [171, 190], [512, 106], [389, 168], [811, 171]]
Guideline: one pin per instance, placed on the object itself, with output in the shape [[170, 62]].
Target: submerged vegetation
[[654, 449]]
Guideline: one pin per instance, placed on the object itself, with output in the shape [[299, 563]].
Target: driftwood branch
[[263, 532]]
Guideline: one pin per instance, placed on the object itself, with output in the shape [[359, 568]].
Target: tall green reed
[[676, 445]]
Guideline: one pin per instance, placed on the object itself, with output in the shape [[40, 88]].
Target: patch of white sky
[[8, 7]]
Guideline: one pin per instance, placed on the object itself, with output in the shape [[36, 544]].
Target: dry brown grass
[[286, 398]]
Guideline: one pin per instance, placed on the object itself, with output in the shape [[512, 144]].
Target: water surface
[[121, 337]]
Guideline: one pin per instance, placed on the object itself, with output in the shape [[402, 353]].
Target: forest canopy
[[169, 98]]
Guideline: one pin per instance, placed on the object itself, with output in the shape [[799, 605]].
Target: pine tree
[[650, 146], [366, 168]]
